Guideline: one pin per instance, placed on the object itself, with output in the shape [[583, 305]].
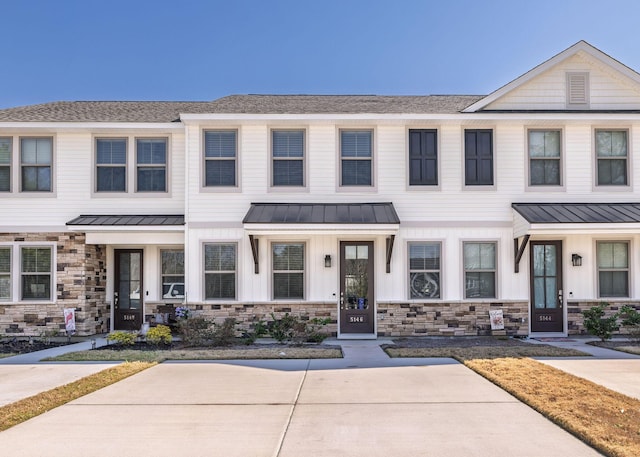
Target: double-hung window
[[423, 157], [613, 268], [544, 158], [35, 272], [220, 271], [288, 270], [288, 158], [172, 274], [111, 165], [5, 164], [220, 157], [478, 157], [151, 162], [424, 270], [479, 270], [5, 273], [36, 162], [356, 158], [611, 157]]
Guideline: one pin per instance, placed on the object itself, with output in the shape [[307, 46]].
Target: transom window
[[220, 155], [611, 157], [36, 273], [220, 271], [356, 153], [172, 274], [111, 165], [36, 161], [478, 157], [613, 268], [5, 273], [5, 164], [288, 157], [544, 158], [151, 159], [288, 270], [424, 270], [479, 270], [423, 157]]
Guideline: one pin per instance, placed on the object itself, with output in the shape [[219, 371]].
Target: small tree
[[631, 320], [597, 324]]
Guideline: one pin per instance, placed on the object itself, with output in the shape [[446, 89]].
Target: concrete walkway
[[363, 405]]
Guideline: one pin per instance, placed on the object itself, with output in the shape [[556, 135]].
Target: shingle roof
[[321, 213], [136, 219], [164, 111], [578, 213]]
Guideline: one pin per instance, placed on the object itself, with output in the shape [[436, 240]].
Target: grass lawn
[[22, 410]]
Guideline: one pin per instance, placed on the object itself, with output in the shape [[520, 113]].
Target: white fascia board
[[92, 126], [581, 229], [321, 229], [139, 238]]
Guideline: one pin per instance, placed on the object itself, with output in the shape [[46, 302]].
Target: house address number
[[129, 317], [545, 318], [356, 319]]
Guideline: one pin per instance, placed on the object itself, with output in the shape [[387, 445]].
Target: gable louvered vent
[[578, 90]]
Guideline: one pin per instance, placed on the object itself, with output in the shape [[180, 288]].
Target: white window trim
[[305, 161], [423, 187], [17, 169], [204, 272], [594, 154], [373, 188], [16, 273], [137, 166], [494, 156], [542, 187], [407, 274], [162, 275], [630, 269], [463, 286], [11, 164], [305, 272], [10, 274], [217, 189]]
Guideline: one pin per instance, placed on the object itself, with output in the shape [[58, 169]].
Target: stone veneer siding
[[80, 281], [576, 319]]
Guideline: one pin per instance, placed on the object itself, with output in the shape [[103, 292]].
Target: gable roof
[[580, 46]]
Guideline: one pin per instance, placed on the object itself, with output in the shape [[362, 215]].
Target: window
[[544, 158], [36, 273], [172, 274], [111, 165], [478, 157], [356, 154], [611, 155], [220, 158], [36, 159], [288, 270], [424, 270], [151, 158], [423, 158], [219, 271], [479, 270], [288, 157], [5, 273], [5, 164], [613, 268]]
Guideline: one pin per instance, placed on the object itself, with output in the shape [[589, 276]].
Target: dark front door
[[127, 295], [546, 287], [357, 303]]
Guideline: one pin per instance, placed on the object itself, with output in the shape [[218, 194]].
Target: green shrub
[[282, 329], [123, 338], [257, 330], [597, 324], [631, 320], [224, 334], [313, 330], [160, 334], [195, 331]]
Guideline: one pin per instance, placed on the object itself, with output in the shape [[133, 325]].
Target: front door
[[357, 304], [127, 295], [546, 287]]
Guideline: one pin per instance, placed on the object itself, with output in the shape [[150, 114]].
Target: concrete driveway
[[363, 405]]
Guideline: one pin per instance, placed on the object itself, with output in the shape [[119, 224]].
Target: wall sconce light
[[576, 260], [327, 261]]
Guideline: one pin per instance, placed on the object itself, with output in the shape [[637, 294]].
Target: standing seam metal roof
[[321, 213], [578, 213]]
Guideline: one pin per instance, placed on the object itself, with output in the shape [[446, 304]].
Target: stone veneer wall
[[80, 281], [394, 320], [576, 319]]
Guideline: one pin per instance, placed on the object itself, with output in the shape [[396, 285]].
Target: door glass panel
[[551, 292], [356, 279], [350, 252], [550, 260], [538, 293], [544, 276]]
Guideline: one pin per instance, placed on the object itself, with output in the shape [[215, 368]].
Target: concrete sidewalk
[[363, 405]]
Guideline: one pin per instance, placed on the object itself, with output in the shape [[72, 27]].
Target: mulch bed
[[16, 346], [456, 341]]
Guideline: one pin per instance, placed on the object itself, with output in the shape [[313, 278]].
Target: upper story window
[[423, 157], [220, 271], [479, 270], [151, 162], [424, 270], [288, 158], [288, 270], [356, 154], [544, 158], [111, 165], [611, 157], [478, 158], [172, 274], [613, 268], [220, 158], [5, 164], [36, 162]]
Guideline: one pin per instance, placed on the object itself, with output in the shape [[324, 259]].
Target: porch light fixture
[[327, 261], [576, 260]]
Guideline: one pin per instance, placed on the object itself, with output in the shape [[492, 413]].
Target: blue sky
[[202, 50]]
